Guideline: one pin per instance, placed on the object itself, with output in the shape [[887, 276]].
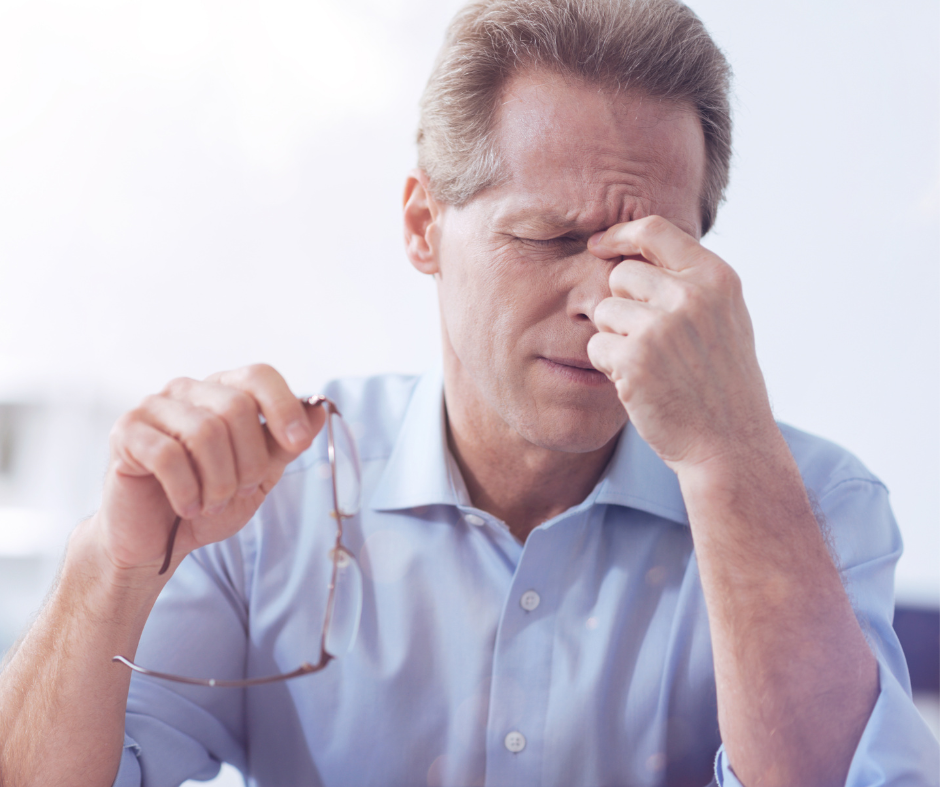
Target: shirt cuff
[[896, 748], [129, 770]]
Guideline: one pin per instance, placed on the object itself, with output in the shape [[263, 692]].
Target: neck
[[522, 484]]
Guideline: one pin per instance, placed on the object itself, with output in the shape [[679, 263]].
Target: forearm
[[795, 678], [62, 700]]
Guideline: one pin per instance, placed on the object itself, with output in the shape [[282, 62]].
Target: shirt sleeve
[[896, 747], [198, 627], [129, 770]]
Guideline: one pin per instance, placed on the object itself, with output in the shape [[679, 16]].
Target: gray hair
[[656, 47]]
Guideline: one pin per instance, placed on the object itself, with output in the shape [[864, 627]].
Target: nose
[[590, 285]]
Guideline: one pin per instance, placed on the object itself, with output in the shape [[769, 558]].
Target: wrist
[[752, 519], [737, 462], [108, 588]]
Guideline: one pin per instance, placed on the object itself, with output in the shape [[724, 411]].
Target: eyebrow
[[532, 217]]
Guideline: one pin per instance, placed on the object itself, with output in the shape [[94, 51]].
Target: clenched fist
[[198, 451]]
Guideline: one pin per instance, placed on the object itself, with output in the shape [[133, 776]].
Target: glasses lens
[[346, 464], [346, 607]]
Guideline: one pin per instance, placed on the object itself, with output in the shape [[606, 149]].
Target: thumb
[[316, 418]]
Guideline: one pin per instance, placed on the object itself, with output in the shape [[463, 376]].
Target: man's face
[[516, 284]]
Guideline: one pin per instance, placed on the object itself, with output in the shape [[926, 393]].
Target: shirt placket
[[522, 659]]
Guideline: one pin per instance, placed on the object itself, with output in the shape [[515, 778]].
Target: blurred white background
[[192, 186]]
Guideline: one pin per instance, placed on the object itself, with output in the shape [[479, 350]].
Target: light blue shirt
[[580, 657]]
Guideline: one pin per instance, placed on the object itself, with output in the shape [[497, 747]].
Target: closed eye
[[564, 243]]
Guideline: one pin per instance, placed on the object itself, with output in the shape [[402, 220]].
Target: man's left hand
[[676, 339], [796, 686]]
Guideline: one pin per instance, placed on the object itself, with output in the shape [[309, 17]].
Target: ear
[[422, 229]]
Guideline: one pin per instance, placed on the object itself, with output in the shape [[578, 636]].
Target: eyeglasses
[[344, 597]]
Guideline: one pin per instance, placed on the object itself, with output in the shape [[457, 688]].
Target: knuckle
[[239, 406], [603, 311], [175, 388], [617, 233], [728, 280], [624, 388], [209, 430], [601, 344], [260, 372], [595, 350], [618, 283], [149, 404], [166, 454], [651, 225], [224, 490], [122, 426]]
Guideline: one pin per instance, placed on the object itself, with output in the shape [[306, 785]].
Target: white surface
[[190, 186], [25, 532]]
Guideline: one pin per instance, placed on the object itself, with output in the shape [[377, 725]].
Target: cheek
[[495, 302], [477, 282]]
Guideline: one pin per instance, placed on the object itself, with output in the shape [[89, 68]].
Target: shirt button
[[529, 601], [515, 742], [474, 519]]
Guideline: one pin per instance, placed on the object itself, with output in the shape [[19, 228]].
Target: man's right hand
[[197, 450]]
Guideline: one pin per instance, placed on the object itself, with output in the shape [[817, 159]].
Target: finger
[[285, 416], [642, 281], [240, 412], [315, 414], [143, 450], [622, 316], [603, 350], [206, 438], [655, 238]]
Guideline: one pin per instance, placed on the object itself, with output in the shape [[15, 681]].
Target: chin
[[574, 430]]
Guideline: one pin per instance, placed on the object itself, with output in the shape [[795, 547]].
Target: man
[[589, 554]]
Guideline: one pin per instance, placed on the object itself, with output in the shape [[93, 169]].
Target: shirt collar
[[420, 469], [638, 478], [422, 472]]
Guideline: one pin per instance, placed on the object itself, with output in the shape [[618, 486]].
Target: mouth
[[576, 370]]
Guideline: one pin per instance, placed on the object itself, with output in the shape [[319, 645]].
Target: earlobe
[[421, 212]]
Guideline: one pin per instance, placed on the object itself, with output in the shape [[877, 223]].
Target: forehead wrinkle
[[601, 187], [603, 207], [592, 193], [577, 160]]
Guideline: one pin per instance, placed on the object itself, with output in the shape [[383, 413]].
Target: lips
[[577, 363], [575, 370]]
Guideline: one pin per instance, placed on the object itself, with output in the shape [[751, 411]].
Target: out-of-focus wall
[[191, 186]]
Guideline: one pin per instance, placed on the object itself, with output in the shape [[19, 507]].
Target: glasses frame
[[336, 555]]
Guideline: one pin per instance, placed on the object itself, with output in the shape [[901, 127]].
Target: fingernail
[[247, 490], [217, 509], [297, 432], [596, 238]]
